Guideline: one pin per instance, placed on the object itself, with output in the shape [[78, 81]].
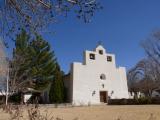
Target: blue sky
[[121, 26]]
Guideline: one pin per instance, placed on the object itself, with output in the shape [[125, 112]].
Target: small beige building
[[96, 80]]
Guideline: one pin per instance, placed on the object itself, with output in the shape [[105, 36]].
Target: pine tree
[[32, 65], [19, 71], [43, 63], [56, 94]]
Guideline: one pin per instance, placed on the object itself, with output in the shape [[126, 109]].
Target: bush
[[122, 102], [139, 101], [15, 98], [144, 100], [156, 100], [35, 98]]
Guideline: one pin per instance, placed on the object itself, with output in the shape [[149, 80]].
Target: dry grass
[[142, 112]]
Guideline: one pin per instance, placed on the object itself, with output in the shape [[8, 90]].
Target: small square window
[[92, 56], [101, 52], [102, 77], [109, 58]]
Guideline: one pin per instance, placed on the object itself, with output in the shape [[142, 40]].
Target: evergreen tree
[[43, 63], [19, 71], [32, 65], [56, 94]]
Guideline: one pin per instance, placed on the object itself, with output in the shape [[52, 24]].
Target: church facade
[[96, 80]]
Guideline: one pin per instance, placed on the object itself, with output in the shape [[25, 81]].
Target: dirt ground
[[104, 112]]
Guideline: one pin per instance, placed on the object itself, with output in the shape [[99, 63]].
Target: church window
[[101, 52], [92, 56], [109, 58], [102, 77]]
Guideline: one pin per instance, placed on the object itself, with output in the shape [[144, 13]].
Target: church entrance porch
[[103, 96]]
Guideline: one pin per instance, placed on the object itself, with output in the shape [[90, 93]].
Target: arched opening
[[103, 77]]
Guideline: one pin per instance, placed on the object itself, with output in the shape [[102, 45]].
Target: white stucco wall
[[85, 79], [27, 97]]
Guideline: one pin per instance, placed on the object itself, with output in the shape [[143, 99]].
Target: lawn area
[[135, 112]]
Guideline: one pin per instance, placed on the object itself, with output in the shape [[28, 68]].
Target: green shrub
[[144, 100], [137, 101], [15, 98]]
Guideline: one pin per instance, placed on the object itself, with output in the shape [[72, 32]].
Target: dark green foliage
[[34, 66], [144, 100], [138, 101], [20, 63], [43, 63], [15, 98], [33, 63], [56, 94], [35, 98], [65, 95]]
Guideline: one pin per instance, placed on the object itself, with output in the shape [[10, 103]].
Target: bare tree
[[134, 76], [19, 77], [3, 68], [144, 77], [152, 47], [35, 15], [148, 69]]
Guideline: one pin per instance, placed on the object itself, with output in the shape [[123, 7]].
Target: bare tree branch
[[37, 15]]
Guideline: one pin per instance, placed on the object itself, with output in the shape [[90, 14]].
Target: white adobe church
[[96, 79]]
